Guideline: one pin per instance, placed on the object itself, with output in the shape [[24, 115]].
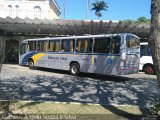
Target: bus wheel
[[74, 69], [149, 69], [31, 64]]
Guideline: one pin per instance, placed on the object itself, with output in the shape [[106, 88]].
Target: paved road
[[18, 82]]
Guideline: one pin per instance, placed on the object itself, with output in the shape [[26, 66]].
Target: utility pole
[[64, 9], [87, 9]]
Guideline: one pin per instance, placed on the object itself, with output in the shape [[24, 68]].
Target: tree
[[154, 40], [143, 19], [2, 52], [139, 20], [98, 6]]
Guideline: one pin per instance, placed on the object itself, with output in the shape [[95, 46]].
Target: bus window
[[23, 48], [145, 50], [51, 46], [67, 45], [132, 42], [115, 45], [32, 46], [57, 46], [42, 46], [84, 45], [102, 45]]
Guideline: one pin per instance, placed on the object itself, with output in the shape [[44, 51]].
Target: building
[[41, 9]]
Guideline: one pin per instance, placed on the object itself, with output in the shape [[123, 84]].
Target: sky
[[117, 9]]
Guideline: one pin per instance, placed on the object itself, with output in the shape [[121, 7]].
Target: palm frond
[[98, 6]]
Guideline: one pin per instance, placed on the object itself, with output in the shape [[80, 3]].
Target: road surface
[[20, 83]]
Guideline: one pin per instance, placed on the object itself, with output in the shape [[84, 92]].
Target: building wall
[[29, 8]]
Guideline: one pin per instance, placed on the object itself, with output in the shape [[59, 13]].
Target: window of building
[[32, 46], [37, 12], [102, 45], [67, 45], [54, 46], [9, 10], [17, 10], [1, 7], [84, 45], [42, 46]]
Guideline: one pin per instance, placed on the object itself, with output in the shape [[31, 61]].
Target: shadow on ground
[[106, 90]]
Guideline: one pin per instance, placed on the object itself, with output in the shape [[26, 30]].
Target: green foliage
[[139, 20], [143, 20], [98, 6], [128, 21]]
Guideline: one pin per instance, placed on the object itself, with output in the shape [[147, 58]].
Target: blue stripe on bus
[[29, 55]]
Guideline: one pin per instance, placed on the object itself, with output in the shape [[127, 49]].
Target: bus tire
[[74, 69], [149, 69], [31, 65]]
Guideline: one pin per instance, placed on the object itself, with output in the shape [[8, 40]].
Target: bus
[[109, 54], [146, 62]]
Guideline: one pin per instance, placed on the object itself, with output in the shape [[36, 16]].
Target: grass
[[84, 111], [24, 107]]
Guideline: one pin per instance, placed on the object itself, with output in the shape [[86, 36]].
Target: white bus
[[111, 54], [146, 62]]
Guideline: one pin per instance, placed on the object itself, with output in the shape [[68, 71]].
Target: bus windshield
[[23, 48]]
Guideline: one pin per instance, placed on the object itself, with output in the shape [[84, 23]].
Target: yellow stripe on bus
[[36, 57]]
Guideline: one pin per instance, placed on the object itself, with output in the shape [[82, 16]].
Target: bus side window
[[42, 46], [51, 46], [72, 45], [67, 45], [62, 46], [84, 45], [148, 51], [142, 50], [32, 46], [57, 46], [102, 45], [115, 45], [145, 50]]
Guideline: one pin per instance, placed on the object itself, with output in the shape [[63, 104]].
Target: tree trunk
[[2, 51], [154, 40]]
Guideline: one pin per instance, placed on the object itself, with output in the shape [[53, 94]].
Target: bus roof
[[78, 37]]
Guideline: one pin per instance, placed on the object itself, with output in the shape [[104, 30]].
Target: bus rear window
[[132, 42]]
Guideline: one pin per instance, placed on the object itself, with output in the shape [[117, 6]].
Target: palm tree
[[98, 6]]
